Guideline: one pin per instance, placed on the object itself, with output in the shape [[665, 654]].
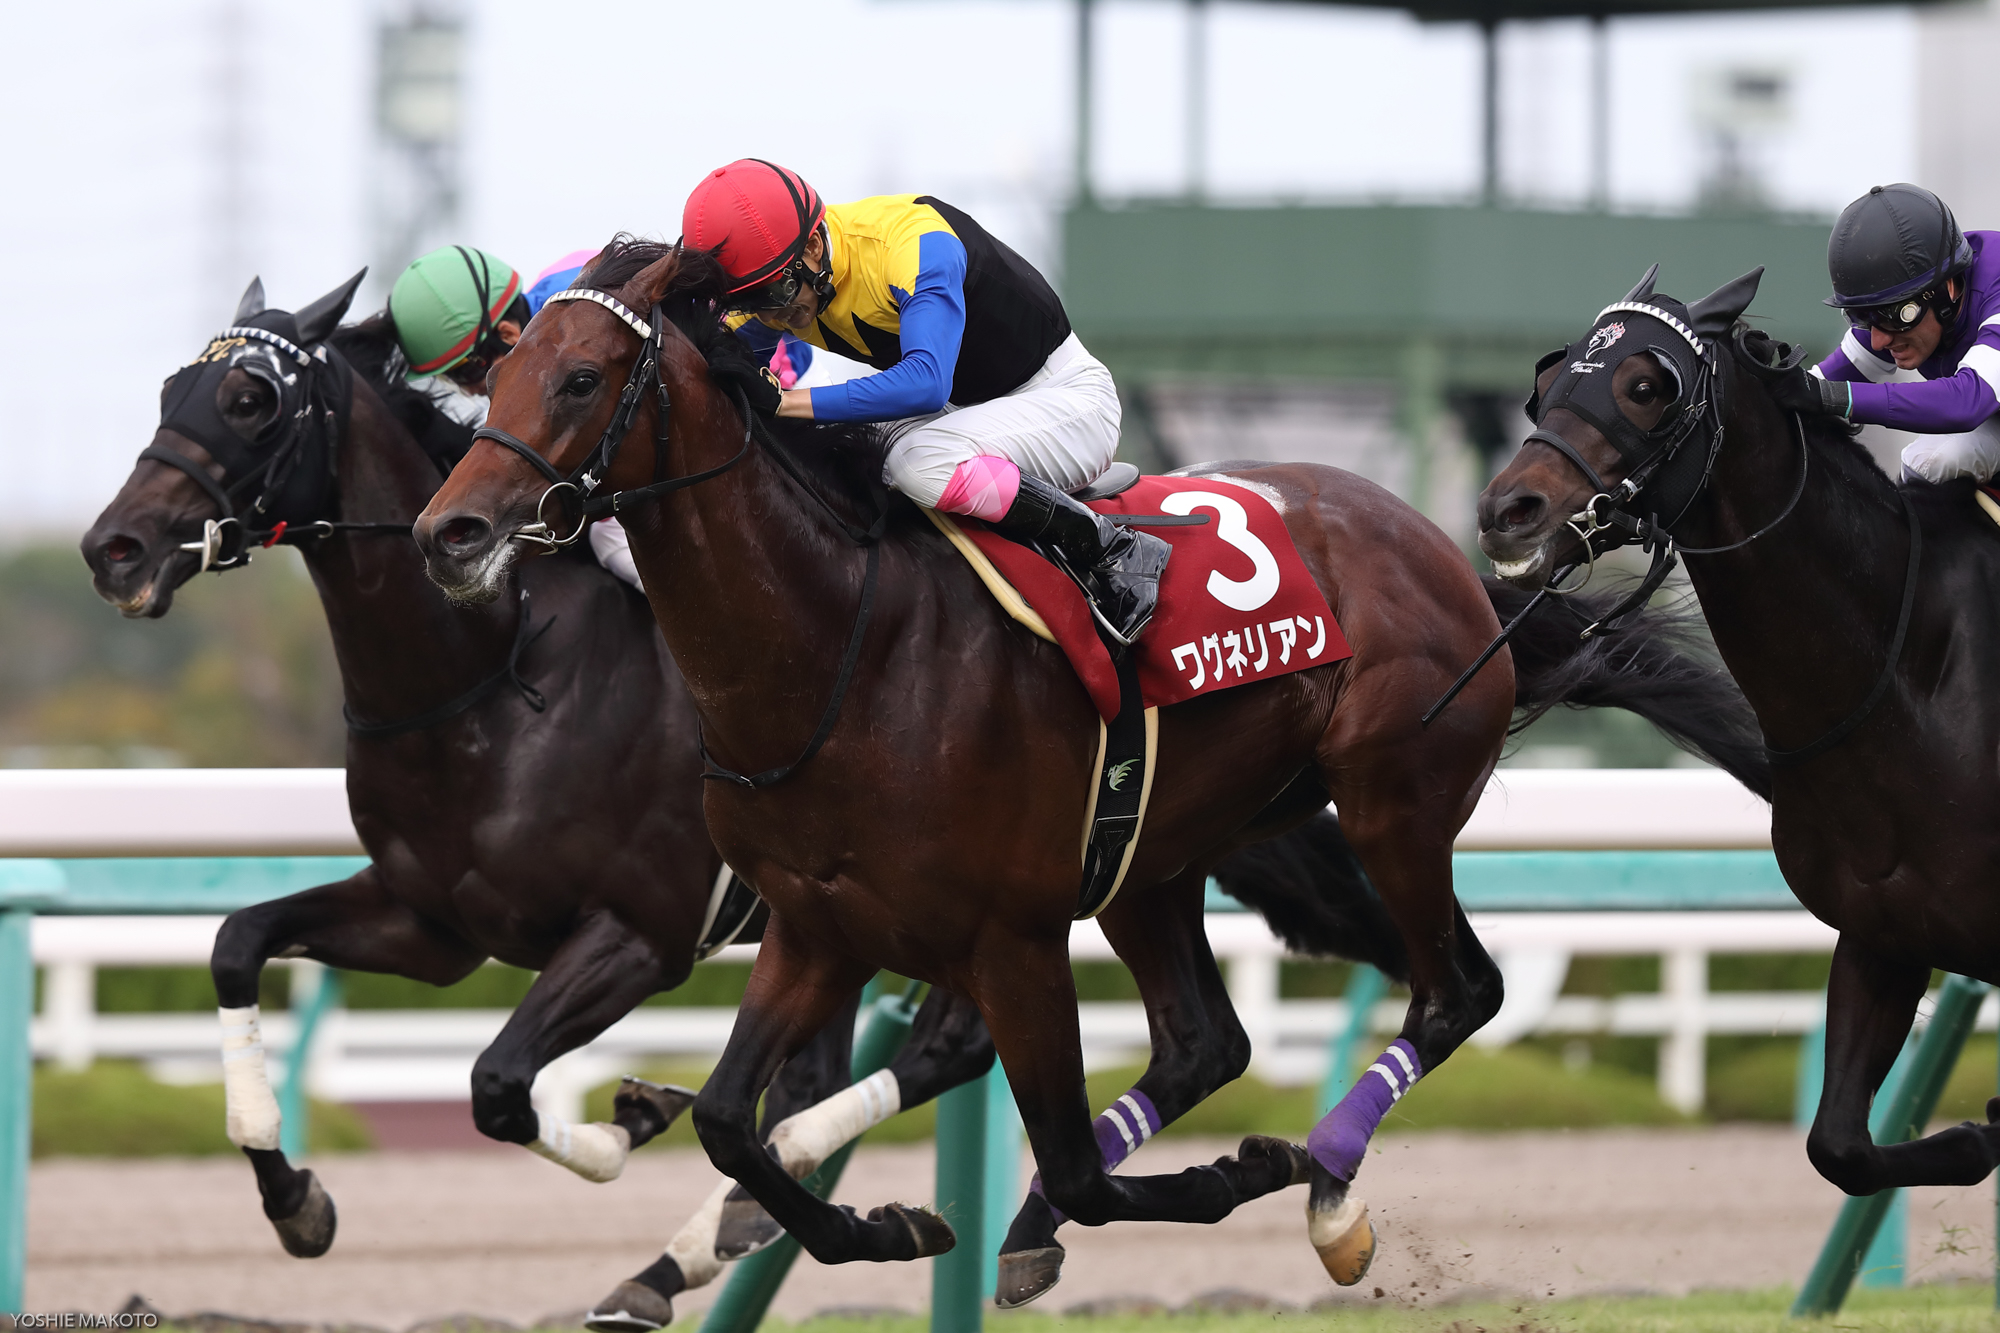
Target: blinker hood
[[286, 469], [1659, 325]]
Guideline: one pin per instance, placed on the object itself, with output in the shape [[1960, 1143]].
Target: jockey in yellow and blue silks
[[990, 404]]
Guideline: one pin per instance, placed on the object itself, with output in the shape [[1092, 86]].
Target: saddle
[[1237, 606]]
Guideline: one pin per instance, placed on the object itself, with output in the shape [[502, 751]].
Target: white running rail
[[428, 1054]]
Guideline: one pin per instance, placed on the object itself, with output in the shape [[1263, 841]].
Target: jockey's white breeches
[[1975, 454], [1061, 425]]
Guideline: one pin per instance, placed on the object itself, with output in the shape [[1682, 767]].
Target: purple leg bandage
[[1123, 1127], [1339, 1141]]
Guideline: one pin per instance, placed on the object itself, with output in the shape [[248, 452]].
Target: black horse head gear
[[289, 464]]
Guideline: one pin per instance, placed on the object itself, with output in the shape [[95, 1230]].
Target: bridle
[[1615, 517], [586, 477], [318, 418], [226, 540], [583, 480]]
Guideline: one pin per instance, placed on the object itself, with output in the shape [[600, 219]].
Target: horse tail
[[1657, 665], [1310, 887]]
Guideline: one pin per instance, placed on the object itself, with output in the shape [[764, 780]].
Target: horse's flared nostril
[[463, 535], [1525, 512], [121, 550]]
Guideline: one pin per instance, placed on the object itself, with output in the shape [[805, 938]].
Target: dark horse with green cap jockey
[[458, 310], [989, 403]]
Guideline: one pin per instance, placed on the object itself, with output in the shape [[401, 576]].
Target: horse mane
[[846, 456], [370, 346], [1866, 493]]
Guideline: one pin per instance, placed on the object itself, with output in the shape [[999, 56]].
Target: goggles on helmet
[[784, 289], [1901, 316]]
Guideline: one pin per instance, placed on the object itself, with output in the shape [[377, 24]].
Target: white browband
[[284, 345], [1640, 308], [611, 303]]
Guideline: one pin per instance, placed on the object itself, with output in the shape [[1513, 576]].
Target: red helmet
[[756, 215]]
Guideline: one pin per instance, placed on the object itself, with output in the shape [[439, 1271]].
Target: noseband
[[584, 480]]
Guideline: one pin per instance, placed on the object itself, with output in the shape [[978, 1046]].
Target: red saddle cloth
[[1236, 602]]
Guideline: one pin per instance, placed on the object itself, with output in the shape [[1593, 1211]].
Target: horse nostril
[[1525, 512], [121, 550], [464, 534]]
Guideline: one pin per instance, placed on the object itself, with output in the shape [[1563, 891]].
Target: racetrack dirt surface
[[506, 1235]]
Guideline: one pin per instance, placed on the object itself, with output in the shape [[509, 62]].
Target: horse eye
[[1643, 391], [582, 384]]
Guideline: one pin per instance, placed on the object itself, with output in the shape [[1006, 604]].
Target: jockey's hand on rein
[[1809, 395], [757, 383]]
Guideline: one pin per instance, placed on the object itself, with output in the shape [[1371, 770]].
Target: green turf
[[1932, 1309], [113, 1109]]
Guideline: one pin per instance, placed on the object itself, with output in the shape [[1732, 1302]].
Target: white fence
[[428, 1054]]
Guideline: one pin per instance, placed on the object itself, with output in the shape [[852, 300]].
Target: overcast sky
[[128, 249]]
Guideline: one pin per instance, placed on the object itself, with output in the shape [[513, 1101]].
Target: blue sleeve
[[933, 326]]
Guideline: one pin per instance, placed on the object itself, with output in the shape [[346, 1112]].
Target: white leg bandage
[[805, 1140], [595, 1151], [251, 1119], [693, 1246]]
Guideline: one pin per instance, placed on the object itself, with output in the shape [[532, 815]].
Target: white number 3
[[1233, 526]]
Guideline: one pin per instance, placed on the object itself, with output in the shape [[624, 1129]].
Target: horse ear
[[1712, 315], [1645, 287], [320, 318], [651, 282], [252, 302]]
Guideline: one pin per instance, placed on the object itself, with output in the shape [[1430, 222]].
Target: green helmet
[[446, 303]]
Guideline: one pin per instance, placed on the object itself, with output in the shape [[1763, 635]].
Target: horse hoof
[[633, 1307], [929, 1233], [744, 1228], [308, 1233], [1345, 1240], [1026, 1274], [647, 1110], [1294, 1158]]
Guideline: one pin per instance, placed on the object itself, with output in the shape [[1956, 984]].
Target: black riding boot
[[1118, 567]]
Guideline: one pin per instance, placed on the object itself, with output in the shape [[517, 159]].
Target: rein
[[585, 479], [506, 675], [1842, 729]]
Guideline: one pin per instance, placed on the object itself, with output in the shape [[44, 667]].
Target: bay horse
[[461, 727], [1855, 613], [930, 825]]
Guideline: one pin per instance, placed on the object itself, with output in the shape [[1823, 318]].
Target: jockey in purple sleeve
[[1922, 352]]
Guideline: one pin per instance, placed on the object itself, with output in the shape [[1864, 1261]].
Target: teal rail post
[[294, 1101], [24, 885], [754, 1283], [1003, 1172], [1882, 1263], [957, 1303], [1899, 1115], [17, 1091], [1365, 988]]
